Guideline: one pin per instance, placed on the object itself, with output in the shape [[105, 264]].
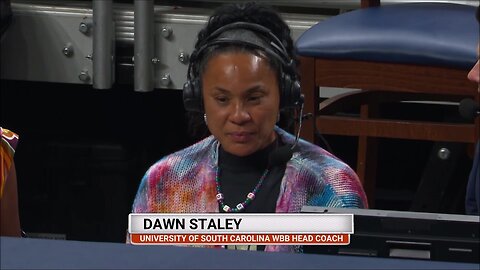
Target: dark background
[[82, 152]]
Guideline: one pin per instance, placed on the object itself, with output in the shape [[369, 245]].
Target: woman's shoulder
[[324, 166], [185, 158], [325, 169], [312, 156]]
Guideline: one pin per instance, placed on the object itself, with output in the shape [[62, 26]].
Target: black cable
[[327, 145]]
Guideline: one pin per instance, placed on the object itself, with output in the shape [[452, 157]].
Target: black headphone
[[290, 92]]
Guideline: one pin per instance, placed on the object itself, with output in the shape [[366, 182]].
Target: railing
[[165, 35]]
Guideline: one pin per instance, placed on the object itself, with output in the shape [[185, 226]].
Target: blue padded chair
[[397, 52]]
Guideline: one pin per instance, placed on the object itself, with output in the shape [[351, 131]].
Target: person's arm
[[9, 216]]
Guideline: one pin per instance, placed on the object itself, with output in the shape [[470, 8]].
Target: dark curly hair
[[250, 12], [253, 13]]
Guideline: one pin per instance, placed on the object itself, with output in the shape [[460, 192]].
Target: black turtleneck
[[240, 175]]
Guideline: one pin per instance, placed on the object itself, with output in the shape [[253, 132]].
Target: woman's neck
[[256, 161]]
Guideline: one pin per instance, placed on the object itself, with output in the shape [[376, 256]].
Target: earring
[[278, 117], [205, 119]]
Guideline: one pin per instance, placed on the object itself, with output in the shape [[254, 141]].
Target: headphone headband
[[289, 85], [280, 53], [256, 28], [231, 41]]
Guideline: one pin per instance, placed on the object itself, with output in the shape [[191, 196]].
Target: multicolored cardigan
[[184, 182]]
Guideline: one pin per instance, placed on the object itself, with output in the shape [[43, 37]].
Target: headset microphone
[[469, 109], [283, 154]]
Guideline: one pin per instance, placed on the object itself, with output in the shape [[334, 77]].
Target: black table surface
[[30, 253]]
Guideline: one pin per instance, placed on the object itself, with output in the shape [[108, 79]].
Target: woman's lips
[[240, 137]]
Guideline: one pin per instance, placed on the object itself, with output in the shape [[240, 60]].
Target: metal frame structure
[[75, 41]]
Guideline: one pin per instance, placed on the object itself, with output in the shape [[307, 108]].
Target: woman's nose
[[239, 114]]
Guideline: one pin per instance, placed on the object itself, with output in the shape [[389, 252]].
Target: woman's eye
[[221, 99], [254, 98]]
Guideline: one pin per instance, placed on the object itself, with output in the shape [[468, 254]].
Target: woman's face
[[241, 99]]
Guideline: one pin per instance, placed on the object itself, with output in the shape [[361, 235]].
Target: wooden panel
[[350, 126], [354, 99], [393, 77], [367, 157]]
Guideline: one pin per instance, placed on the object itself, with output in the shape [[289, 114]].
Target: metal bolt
[[155, 60], [68, 50], [183, 57], [444, 153], [84, 76], [166, 31], [84, 28], [165, 80]]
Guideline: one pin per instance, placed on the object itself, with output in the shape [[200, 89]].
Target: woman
[[9, 217], [241, 74]]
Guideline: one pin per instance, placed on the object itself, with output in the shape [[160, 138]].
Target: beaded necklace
[[250, 196], [241, 206]]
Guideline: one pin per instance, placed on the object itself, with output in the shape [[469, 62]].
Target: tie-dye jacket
[[184, 182]]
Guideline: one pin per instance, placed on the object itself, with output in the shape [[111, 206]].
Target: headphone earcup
[[192, 96], [290, 92]]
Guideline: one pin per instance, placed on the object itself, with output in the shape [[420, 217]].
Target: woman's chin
[[240, 150]]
